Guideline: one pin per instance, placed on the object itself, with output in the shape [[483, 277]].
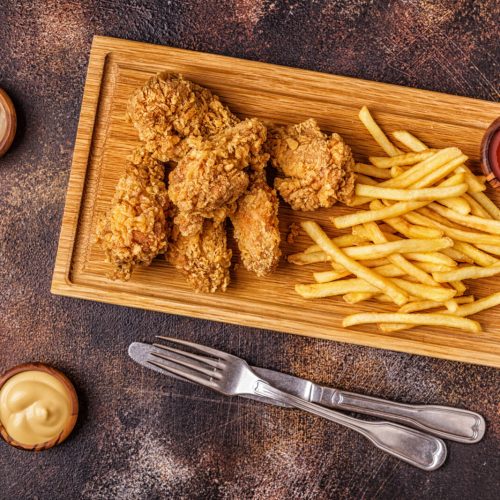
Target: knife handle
[[450, 423]]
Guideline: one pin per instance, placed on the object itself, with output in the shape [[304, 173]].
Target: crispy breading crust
[[317, 169], [256, 227], [203, 258], [168, 109], [134, 230], [208, 181]]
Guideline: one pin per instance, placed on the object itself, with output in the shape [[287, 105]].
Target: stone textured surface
[[142, 436]]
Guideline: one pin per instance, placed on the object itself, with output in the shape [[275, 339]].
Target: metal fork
[[232, 376]]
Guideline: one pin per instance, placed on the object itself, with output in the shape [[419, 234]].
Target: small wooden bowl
[[11, 117], [70, 424], [491, 171]]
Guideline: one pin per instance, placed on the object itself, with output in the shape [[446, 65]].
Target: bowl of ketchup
[[490, 154]]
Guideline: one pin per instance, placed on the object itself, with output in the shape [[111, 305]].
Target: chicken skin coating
[[316, 169], [203, 258], [256, 227], [134, 230], [208, 181], [168, 109]]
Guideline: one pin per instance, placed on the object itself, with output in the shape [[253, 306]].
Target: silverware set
[[233, 376]]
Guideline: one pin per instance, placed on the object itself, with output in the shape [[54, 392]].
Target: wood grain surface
[[143, 436], [281, 95]]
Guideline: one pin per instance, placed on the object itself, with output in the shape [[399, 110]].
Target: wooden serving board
[[282, 95]]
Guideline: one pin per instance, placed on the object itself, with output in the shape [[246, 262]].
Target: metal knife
[[451, 423]]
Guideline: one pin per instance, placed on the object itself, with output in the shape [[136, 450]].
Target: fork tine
[[187, 376], [203, 359], [197, 367], [199, 347]]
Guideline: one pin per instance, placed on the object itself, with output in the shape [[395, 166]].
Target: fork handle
[[450, 423], [414, 447]]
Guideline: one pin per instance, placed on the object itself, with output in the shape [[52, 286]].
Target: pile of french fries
[[429, 226]]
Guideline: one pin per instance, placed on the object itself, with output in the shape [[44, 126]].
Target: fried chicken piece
[[256, 227], [208, 181], [134, 230], [168, 109], [203, 258], [316, 168]]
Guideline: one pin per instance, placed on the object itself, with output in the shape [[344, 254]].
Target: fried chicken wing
[[168, 109], [134, 230], [316, 169], [203, 258], [207, 182], [256, 227]]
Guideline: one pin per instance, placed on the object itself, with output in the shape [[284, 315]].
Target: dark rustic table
[[143, 436]]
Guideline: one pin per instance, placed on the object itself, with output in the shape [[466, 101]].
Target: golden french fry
[[451, 305], [355, 297], [357, 201], [494, 249], [457, 203], [435, 162], [432, 319], [365, 179], [426, 194], [380, 173], [459, 287], [302, 259], [476, 208], [487, 204], [401, 160], [346, 240], [378, 237], [376, 132], [479, 305], [476, 255], [430, 267], [437, 293], [366, 263], [396, 171], [387, 287], [327, 276], [409, 140], [422, 305], [426, 216], [475, 185], [485, 225], [456, 255], [466, 272], [440, 173], [431, 257]]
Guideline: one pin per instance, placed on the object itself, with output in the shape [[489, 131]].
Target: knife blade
[[305, 389]]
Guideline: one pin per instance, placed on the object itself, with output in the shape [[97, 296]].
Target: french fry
[[430, 267], [467, 272], [457, 203], [485, 225], [378, 237], [422, 305], [475, 185], [327, 276], [440, 173], [431, 257], [341, 287], [366, 263], [451, 305], [401, 160], [487, 204], [432, 319], [494, 249], [425, 216], [387, 287], [427, 194], [376, 132], [396, 171], [355, 297], [346, 240], [476, 208], [444, 161], [459, 287], [477, 256], [409, 140], [479, 305], [357, 201], [380, 173], [365, 179], [455, 254]]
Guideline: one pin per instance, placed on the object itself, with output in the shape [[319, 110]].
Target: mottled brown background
[[142, 436]]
